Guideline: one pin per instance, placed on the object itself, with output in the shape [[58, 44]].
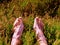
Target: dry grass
[[12, 10]]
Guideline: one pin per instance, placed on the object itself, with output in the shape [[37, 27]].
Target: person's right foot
[[38, 23], [38, 27]]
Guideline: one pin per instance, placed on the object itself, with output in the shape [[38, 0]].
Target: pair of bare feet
[[18, 29]]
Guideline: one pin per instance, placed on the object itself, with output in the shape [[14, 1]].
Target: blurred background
[[48, 10]]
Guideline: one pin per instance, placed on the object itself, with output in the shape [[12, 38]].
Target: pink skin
[[18, 29], [38, 27]]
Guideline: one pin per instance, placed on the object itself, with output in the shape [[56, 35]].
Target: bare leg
[[38, 27], [18, 29]]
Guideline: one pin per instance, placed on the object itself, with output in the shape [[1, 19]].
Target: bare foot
[[38, 23], [38, 27], [18, 29]]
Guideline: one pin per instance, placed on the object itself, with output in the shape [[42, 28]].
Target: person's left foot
[[18, 29]]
